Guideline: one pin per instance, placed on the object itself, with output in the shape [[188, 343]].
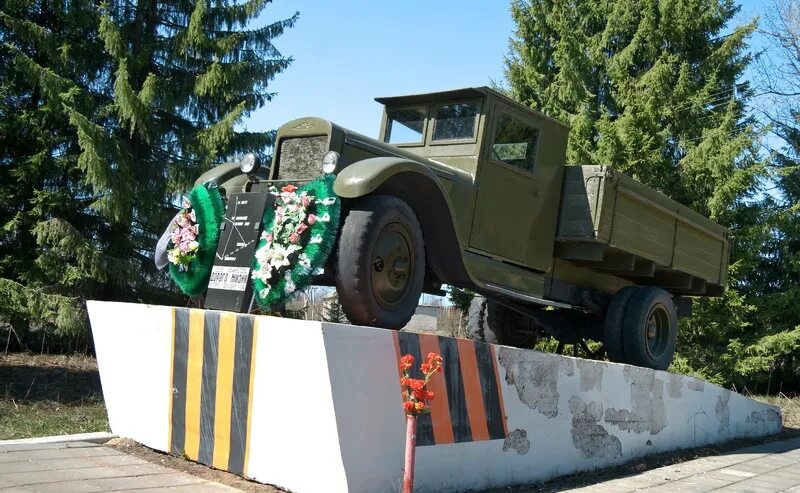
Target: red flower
[[423, 395], [424, 367], [406, 362], [415, 384], [289, 188], [408, 406], [404, 382], [420, 407]]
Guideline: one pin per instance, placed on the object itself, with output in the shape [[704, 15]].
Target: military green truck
[[469, 188]]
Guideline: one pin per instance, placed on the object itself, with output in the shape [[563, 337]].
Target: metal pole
[[411, 445]]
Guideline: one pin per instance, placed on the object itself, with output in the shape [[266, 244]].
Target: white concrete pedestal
[[316, 407]]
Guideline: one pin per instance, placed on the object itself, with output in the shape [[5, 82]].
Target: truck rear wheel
[[613, 324], [489, 321], [380, 262], [650, 329]]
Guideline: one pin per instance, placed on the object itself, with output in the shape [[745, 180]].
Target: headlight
[[249, 163], [329, 161]]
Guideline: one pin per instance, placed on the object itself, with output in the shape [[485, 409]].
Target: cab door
[[518, 191]]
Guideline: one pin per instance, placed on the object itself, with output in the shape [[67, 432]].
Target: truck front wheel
[[380, 262]]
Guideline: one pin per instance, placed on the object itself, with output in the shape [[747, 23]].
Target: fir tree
[[655, 89], [332, 309], [109, 110]]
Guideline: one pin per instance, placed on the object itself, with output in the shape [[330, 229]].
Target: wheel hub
[[657, 331], [392, 262]]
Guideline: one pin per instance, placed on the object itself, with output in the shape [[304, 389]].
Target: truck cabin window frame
[[514, 143], [406, 125], [455, 121]]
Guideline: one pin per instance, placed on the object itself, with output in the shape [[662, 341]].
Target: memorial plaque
[[229, 287]]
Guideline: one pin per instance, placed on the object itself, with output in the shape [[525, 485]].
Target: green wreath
[[209, 211], [326, 204]]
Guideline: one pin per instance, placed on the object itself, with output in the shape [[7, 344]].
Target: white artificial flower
[[329, 201], [324, 218], [315, 239], [303, 260], [318, 271], [264, 292], [290, 287]]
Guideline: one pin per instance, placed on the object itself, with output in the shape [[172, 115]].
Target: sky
[[348, 52]]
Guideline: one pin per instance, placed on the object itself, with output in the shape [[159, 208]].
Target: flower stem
[[411, 445]]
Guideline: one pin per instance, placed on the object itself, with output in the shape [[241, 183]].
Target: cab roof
[[463, 93]]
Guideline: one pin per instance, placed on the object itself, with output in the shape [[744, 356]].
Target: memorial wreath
[[193, 239], [297, 236]]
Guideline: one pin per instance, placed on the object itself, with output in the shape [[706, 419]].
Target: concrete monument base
[[316, 407]]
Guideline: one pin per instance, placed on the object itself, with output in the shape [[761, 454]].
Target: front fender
[[364, 177], [423, 190]]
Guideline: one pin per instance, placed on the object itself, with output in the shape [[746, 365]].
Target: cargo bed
[[610, 223]]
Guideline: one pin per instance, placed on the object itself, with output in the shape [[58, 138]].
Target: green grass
[[42, 395]]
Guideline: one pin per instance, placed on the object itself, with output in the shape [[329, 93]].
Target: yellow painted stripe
[[223, 399], [171, 381], [194, 382], [256, 329]]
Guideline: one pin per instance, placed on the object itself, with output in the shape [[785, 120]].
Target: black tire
[[476, 321], [489, 321], [650, 329], [375, 291], [613, 325]]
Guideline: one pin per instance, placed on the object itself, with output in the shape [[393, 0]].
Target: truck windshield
[[405, 126], [456, 121]]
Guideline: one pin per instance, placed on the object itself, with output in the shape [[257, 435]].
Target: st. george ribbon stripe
[[209, 387], [491, 391], [219, 406], [240, 399], [409, 344], [472, 371], [455, 390], [180, 352]]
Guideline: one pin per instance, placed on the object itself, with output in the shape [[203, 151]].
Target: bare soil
[[208, 473]]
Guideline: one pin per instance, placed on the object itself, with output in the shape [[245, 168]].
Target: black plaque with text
[[230, 288]]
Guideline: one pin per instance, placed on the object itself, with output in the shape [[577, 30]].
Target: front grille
[[301, 157]]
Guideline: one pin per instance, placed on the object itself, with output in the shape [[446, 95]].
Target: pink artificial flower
[[279, 210], [270, 237], [294, 238], [306, 200], [184, 246], [300, 228], [311, 219]]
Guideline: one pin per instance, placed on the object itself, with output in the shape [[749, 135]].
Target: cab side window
[[515, 143]]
